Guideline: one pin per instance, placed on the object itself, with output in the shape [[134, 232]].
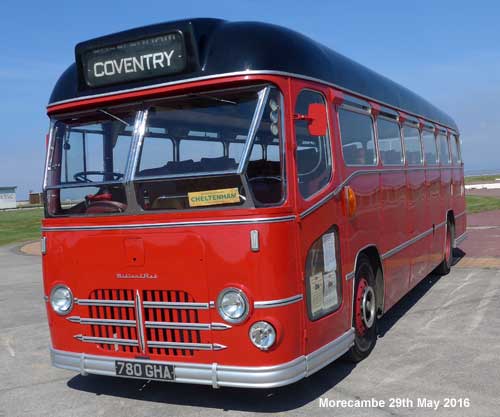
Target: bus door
[[328, 300]]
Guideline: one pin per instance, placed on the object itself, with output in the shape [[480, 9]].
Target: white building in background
[[7, 197]]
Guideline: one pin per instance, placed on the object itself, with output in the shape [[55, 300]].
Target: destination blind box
[[132, 60]]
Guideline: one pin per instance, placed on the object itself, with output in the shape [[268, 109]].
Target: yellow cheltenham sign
[[212, 197]]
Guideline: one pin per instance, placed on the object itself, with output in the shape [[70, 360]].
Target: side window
[[389, 142], [430, 151], [444, 153], [314, 162], [358, 142], [413, 149], [455, 149]]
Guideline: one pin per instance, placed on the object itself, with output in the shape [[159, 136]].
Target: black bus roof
[[217, 47]]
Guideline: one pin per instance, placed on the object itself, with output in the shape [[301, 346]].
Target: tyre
[[365, 311], [445, 266]]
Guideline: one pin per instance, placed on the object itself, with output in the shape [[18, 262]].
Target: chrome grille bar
[[106, 340], [140, 323], [187, 346], [186, 326], [104, 303], [102, 322], [175, 305]]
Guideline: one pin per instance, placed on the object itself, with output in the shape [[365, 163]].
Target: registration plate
[[145, 370]]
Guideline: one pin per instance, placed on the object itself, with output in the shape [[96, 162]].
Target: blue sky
[[447, 51]]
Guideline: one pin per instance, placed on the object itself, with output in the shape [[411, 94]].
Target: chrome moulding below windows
[[170, 225], [215, 374]]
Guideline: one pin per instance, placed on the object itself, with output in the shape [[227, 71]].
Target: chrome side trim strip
[[349, 276], [277, 303], [223, 375], [103, 303], [460, 238], [187, 346], [106, 340], [175, 305], [172, 224], [186, 326], [460, 214], [404, 245], [238, 73], [339, 188], [140, 323], [101, 322]]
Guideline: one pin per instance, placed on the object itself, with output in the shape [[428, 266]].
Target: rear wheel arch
[[373, 255]]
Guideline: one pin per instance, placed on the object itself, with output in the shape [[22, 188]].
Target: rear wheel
[[365, 311], [445, 266]]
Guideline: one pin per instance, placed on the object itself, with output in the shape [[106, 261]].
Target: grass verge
[[20, 225], [477, 204], [481, 179]]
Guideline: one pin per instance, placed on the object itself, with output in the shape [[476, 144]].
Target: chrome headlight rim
[[274, 335], [72, 299], [246, 303]]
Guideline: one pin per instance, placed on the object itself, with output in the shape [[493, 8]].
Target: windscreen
[[218, 149]]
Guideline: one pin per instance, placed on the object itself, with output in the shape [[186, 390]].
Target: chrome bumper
[[215, 374]]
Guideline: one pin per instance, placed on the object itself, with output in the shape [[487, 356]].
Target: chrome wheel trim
[[368, 307]]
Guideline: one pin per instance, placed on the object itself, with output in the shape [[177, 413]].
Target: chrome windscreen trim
[[277, 303], [175, 305], [256, 220], [103, 303], [106, 340], [101, 322], [186, 346], [235, 74], [186, 326]]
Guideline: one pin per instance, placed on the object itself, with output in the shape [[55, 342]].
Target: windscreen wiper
[[220, 100], [113, 116]]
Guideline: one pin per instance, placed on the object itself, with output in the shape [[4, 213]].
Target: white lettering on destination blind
[[133, 64]]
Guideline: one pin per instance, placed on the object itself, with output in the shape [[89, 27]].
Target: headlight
[[232, 305], [61, 299], [262, 334]]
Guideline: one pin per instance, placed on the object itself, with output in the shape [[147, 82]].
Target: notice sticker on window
[[330, 296], [316, 290], [213, 197], [329, 259]]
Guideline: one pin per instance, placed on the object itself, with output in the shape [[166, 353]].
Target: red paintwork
[[202, 260]]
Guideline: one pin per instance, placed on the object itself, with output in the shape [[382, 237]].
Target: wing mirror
[[316, 118]]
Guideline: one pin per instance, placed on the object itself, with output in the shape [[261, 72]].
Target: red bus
[[234, 204]]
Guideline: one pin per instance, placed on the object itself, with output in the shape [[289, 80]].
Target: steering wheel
[[82, 175], [264, 179]]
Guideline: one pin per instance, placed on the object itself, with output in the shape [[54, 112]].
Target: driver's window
[[314, 162]]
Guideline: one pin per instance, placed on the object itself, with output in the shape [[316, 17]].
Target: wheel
[[365, 311], [445, 266]]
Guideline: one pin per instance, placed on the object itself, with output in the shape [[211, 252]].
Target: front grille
[[169, 315], [157, 322], [114, 313]]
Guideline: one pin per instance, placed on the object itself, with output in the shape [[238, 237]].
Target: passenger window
[[413, 149], [444, 153], [389, 142], [430, 151], [358, 143], [455, 149], [314, 163]]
